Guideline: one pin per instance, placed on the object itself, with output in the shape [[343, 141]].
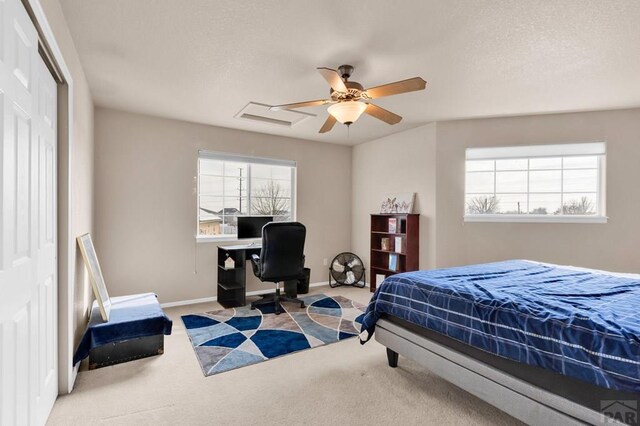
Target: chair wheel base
[[276, 299]]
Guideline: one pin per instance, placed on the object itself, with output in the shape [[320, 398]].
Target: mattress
[[576, 322]]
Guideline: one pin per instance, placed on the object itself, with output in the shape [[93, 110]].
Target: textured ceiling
[[204, 60]]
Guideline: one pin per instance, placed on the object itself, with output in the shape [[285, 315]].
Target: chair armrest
[[255, 264]]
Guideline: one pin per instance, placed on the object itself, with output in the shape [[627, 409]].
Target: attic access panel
[[261, 113]]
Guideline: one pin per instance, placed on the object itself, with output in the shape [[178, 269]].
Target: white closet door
[[28, 296]]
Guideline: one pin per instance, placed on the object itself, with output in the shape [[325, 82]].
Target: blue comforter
[[580, 323]]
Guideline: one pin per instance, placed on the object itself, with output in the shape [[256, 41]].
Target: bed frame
[[520, 399]]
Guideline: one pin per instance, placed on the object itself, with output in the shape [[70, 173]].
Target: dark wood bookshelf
[[408, 228], [390, 251]]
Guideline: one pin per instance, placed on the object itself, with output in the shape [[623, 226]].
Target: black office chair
[[281, 259]]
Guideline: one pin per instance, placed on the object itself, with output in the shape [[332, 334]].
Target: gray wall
[[612, 246], [434, 169], [404, 162], [145, 196], [80, 174], [145, 221]]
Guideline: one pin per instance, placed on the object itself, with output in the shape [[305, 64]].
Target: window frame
[[249, 160], [534, 152]]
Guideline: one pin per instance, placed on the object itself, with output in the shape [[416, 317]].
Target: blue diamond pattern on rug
[[232, 338]]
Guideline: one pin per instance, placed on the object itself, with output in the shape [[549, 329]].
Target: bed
[[548, 344]]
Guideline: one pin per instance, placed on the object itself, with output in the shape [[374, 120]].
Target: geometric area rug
[[236, 337]]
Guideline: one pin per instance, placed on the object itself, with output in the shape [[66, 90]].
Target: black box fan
[[347, 269]]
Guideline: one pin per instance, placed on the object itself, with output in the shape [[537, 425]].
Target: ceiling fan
[[349, 99]]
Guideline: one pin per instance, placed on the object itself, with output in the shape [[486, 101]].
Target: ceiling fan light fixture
[[350, 99], [347, 112]]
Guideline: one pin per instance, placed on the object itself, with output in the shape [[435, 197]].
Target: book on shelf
[[379, 279], [393, 225], [399, 245], [384, 244], [393, 262]]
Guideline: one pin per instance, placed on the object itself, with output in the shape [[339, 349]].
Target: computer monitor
[[251, 226]]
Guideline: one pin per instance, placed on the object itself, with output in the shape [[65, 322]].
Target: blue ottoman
[[135, 330]]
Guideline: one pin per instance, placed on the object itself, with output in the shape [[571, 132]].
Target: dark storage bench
[[126, 350], [135, 330]]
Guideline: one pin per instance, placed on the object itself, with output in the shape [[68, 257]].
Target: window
[[543, 183], [230, 186]]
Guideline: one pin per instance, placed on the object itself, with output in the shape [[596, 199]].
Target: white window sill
[[530, 218], [224, 239]]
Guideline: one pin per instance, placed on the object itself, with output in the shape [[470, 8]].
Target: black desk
[[232, 283]]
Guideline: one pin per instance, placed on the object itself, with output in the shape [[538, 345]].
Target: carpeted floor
[[343, 383]]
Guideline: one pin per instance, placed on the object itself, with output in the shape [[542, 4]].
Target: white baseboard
[[74, 375], [320, 284], [189, 302], [213, 298]]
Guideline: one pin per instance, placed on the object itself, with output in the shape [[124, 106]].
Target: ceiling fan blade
[[404, 86], [328, 125], [300, 105], [382, 114], [334, 79]]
